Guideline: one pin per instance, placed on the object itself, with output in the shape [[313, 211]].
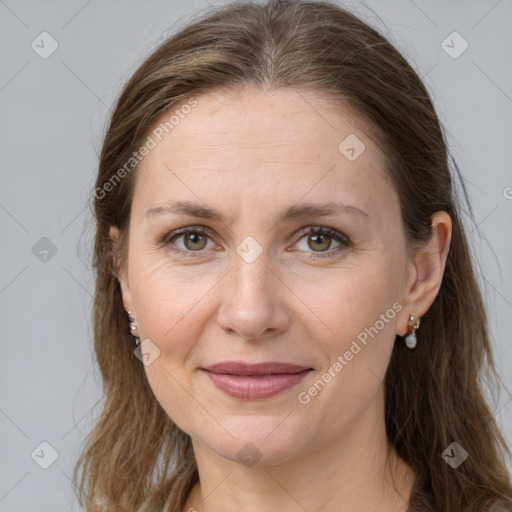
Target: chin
[[259, 440]]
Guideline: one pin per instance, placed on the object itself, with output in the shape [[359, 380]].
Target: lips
[[255, 381], [236, 368]]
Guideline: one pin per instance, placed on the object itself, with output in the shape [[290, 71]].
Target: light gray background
[[52, 118]]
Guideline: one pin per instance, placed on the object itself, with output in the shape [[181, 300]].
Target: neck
[[356, 470]]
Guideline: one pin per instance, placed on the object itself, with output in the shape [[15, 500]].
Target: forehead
[[250, 145]]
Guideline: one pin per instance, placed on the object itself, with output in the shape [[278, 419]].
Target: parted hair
[[136, 458]]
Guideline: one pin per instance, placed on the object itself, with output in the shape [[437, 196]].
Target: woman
[[286, 312]]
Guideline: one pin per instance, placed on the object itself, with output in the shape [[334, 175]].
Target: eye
[[321, 238], [195, 239]]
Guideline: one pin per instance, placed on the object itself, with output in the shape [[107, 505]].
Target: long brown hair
[[136, 458]]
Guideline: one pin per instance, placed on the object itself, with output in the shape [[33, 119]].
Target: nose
[[253, 304]]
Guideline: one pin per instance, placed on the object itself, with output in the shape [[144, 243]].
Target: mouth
[[255, 381]]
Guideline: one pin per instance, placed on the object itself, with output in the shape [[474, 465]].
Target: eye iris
[[195, 241], [323, 237], [194, 238]]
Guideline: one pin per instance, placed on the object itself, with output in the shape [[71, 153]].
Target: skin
[[251, 154]]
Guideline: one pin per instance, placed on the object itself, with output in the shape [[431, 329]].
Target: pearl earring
[[133, 328], [410, 339]]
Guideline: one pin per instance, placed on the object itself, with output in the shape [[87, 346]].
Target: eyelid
[[313, 229], [166, 239], [337, 235], [324, 230]]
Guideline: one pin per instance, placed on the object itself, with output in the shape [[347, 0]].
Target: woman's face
[[259, 286]]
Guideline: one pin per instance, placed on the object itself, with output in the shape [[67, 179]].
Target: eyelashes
[[320, 232], [325, 232], [173, 235]]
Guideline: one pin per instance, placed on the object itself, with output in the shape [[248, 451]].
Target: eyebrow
[[295, 212]]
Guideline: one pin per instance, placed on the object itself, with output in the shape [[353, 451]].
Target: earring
[[133, 328], [410, 339]]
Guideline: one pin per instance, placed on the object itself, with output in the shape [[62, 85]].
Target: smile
[[255, 382]]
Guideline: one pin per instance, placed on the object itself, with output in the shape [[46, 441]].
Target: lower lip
[[254, 387]]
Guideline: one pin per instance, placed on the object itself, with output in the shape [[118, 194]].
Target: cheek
[[360, 310], [357, 311], [171, 313], [335, 305], [351, 299], [171, 306]]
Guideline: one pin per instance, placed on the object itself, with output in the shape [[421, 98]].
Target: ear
[[121, 270], [425, 272]]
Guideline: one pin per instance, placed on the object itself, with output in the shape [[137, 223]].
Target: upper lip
[[238, 368]]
